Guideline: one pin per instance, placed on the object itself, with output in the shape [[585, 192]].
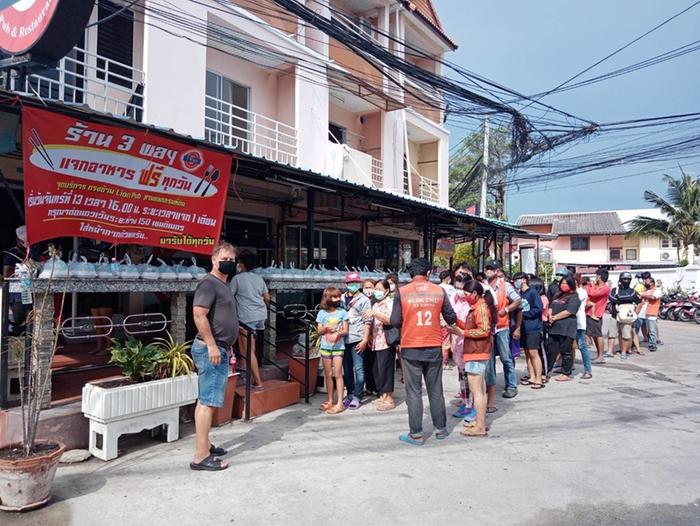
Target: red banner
[[120, 185]]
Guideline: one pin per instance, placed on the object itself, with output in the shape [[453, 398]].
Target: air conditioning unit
[[665, 256]]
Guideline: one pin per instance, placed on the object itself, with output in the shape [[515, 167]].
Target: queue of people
[[467, 320]]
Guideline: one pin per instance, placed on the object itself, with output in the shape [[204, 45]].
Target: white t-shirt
[[581, 312], [643, 310]]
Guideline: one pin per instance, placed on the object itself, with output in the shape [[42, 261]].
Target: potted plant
[[158, 379], [27, 469], [297, 362]]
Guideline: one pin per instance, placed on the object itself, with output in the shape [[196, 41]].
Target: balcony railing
[[87, 78], [428, 189], [248, 132], [377, 172]]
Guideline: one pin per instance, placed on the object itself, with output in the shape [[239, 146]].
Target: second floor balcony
[[245, 131], [87, 78]]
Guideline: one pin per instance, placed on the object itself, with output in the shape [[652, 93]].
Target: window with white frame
[[631, 254], [615, 254], [226, 112], [669, 243]]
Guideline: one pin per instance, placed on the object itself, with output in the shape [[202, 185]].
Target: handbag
[[626, 314]]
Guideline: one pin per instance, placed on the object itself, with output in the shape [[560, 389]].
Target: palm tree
[[681, 209]]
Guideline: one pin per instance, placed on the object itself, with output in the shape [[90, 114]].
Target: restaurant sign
[[48, 29], [120, 185]]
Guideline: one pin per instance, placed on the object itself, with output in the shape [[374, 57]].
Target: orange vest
[[421, 306], [502, 303]]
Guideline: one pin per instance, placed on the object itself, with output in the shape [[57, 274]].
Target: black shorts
[[530, 340], [594, 328]]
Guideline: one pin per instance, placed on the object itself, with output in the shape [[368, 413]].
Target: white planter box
[[131, 408]]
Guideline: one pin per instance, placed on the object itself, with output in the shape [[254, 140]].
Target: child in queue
[[333, 325]]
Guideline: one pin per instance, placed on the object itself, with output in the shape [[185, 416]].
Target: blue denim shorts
[[476, 367], [212, 378], [258, 325]]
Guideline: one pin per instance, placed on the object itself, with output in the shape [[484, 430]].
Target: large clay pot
[[296, 371], [25, 483]]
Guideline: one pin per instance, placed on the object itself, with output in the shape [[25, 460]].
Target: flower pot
[[25, 483], [223, 415], [296, 372], [117, 408]]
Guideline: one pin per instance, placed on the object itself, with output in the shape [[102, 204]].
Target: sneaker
[[652, 350], [470, 416], [510, 393], [462, 411]]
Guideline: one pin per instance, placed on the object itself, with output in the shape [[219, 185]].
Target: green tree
[[681, 209], [466, 170]]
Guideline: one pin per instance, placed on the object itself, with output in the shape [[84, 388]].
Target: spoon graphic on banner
[[214, 177], [206, 176]]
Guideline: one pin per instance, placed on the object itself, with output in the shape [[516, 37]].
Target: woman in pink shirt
[[461, 307]]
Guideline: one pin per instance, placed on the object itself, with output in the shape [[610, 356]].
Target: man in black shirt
[[216, 317], [622, 302]]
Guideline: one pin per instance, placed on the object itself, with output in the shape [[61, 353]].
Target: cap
[[493, 264], [626, 275], [21, 233], [353, 277]]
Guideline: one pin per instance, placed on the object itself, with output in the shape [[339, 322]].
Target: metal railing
[[377, 172], [83, 77], [428, 189], [248, 132]]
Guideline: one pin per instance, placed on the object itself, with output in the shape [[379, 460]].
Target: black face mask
[[335, 304], [647, 285], [227, 267]]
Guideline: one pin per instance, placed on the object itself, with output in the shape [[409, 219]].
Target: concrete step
[[275, 394]]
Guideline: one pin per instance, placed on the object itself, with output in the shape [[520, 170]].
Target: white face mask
[[392, 287]]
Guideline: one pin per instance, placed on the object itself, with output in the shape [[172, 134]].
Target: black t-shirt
[[622, 296], [567, 326], [215, 295]]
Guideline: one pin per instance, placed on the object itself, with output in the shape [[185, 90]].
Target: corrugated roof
[[575, 223], [425, 10]]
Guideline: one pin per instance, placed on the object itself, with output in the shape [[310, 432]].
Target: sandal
[[471, 432], [386, 406], [442, 435], [563, 378], [470, 425], [413, 440], [491, 410], [325, 406], [335, 410], [216, 451], [586, 376], [211, 463], [533, 385]]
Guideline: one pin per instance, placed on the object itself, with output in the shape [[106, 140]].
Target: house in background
[[584, 241]]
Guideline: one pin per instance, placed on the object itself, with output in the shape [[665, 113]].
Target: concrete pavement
[[622, 449]]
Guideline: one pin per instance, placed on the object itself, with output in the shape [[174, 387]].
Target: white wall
[[175, 75], [393, 131], [688, 278]]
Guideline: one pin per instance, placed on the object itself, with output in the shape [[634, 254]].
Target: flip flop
[[325, 406], [211, 463], [533, 385], [469, 432], [563, 378], [409, 439], [442, 435], [216, 451], [491, 410], [335, 410]]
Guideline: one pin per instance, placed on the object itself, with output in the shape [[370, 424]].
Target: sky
[[532, 46]]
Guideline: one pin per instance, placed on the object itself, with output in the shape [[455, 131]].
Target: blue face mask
[[379, 295], [353, 287]]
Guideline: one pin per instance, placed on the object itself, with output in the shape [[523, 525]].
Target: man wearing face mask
[[506, 300], [358, 307], [622, 300], [252, 297], [597, 302], [649, 308], [216, 318]]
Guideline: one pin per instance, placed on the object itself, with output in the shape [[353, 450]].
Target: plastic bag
[[183, 273], [129, 270], [54, 268], [149, 271], [197, 271], [104, 268], [166, 271]]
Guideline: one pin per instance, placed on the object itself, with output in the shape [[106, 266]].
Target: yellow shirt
[[639, 288]]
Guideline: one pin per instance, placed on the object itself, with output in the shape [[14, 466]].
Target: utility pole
[[484, 189], [484, 169]]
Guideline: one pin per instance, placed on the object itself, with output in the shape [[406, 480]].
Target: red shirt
[[599, 295]]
